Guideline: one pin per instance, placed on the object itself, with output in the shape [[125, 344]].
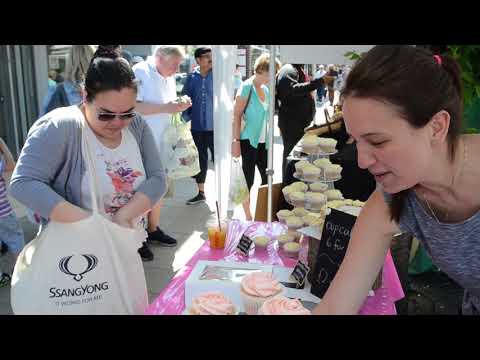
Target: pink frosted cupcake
[[281, 305], [256, 288], [212, 303]]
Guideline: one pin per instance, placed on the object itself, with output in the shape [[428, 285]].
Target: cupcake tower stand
[[311, 157]]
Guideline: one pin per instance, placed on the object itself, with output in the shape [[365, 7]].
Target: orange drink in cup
[[216, 236]]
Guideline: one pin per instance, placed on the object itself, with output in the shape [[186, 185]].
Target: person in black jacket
[[296, 105]]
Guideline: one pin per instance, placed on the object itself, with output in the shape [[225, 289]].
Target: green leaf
[[352, 55]]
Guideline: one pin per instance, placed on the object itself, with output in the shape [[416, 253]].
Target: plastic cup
[[217, 236]]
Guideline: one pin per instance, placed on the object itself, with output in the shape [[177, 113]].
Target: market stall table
[[171, 301]]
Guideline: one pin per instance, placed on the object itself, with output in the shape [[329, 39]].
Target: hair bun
[[107, 51]]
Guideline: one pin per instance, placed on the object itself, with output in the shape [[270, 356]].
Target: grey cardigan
[[50, 167]]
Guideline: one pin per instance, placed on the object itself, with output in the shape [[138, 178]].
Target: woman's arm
[[290, 85], [66, 212], [41, 159], [368, 246], [146, 108], [238, 110], [138, 205]]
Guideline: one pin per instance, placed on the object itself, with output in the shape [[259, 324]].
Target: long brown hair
[[417, 83]]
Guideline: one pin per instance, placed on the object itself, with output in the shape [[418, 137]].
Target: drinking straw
[[218, 217]]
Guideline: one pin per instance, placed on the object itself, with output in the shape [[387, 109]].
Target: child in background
[[11, 233]]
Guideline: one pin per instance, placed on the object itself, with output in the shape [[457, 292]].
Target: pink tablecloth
[[171, 301]]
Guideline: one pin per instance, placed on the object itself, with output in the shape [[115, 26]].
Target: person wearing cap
[[156, 101], [199, 87]]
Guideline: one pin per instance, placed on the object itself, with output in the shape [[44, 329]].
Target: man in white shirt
[[156, 101]]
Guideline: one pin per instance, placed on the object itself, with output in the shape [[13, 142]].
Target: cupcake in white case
[[261, 241], [291, 249], [299, 186], [212, 303], [285, 238], [310, 219], [310, 143], [322, 163], [297, 198], [256, 288], [318, 187], [287, 190], [311, 173], [315, 200], [294, 223], [282, 215], [333, 195], [280, 305], [333, 172], [299, 212], [300, 165], [327, 145]]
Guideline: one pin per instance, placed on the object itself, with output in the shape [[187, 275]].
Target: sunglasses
[[106, 116]]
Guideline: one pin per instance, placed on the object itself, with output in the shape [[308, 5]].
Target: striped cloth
[[5, 208]]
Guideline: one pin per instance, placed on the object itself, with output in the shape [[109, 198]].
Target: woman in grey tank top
[[403, 106]]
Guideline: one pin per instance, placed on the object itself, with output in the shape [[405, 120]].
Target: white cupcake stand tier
[[297, 155]]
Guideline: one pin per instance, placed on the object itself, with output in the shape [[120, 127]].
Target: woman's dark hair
[[108, 71], [418, 84]]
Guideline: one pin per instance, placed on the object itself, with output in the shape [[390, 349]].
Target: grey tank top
[[453, 247]]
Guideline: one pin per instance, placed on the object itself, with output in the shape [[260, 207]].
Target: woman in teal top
[[250, 139]]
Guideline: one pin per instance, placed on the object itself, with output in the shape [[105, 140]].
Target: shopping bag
[[238, 184], [82, 268], [180, 156]]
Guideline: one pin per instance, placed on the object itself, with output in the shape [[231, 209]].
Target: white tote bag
[[88, 267]]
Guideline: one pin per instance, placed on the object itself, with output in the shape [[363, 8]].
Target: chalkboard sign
[[299, 273], [332, 250], [244, 245]]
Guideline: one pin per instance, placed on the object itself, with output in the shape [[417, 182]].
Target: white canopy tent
[[224, 60]]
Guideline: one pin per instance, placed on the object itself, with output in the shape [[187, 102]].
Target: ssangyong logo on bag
[[92, 262]]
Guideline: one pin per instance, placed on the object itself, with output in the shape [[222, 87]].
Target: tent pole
[[271, 130]]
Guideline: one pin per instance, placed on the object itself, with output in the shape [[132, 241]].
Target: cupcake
[[322, 163], [327, 145], [299, 186], [310, 219], [299, 165], [287, 190], [256, 288], [311, 173], [212, 303], [315, 200], [333, 195], [297, 198], [281, 305], [318, 187], [291, 249], [333, 172], [299, 212], [310, 143], [282, 215], [358, 203], [285, 238], [294, 223], [261, 241]]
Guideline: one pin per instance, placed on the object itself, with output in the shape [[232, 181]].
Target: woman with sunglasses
[[50, 176]]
